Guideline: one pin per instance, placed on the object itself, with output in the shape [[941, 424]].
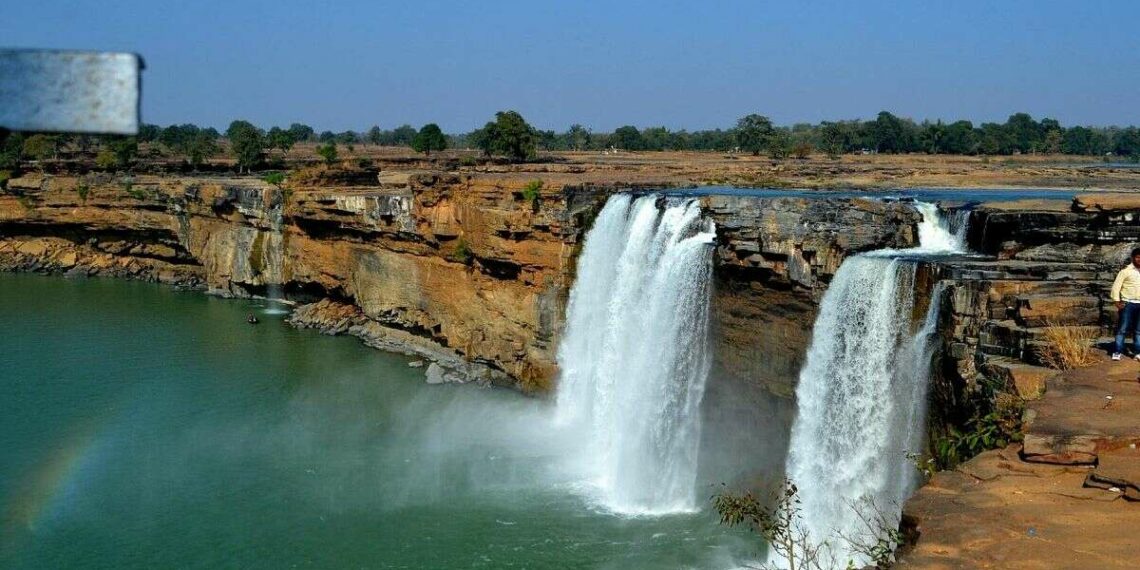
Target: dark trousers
[[1128, 323]]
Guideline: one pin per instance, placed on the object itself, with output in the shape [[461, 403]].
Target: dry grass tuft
[[1068, 347]]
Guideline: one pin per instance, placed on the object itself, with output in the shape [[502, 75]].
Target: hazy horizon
[[356, 64]]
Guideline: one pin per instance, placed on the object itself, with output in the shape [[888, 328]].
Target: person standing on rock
[[1126, 295]]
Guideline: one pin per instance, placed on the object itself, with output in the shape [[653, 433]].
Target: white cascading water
[[938, 234], [635, 357], [273, 262], [862, 394]]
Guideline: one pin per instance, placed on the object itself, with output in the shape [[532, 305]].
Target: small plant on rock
[[275, 178], [530, 191], [106, 160], [995, 423], [462, 253], [1067, 347], [133, 191]]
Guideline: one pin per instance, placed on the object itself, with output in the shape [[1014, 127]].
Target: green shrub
[[106, 160], [530, 191], [83, 190], [987, 429], [468, 161], [132, 191], [462, 253], [328, 152], [275, 178], [5, 176]]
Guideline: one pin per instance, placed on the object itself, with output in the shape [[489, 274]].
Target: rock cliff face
[[1046, 264], [774, 260], [466, 270]]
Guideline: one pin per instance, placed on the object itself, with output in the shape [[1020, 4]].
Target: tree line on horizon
[[510, 135]]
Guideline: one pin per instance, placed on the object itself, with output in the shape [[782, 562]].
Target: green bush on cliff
[[462, 253], [125, 149], [5, 176], [41, 147], [531, 190], [275, 178], [105, 160], [327, 152], [131, 190], [996, 423]]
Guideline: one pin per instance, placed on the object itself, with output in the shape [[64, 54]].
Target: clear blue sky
[[352, 64]]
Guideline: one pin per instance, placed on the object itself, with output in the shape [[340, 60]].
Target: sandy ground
[[691, 168], [818, 171]]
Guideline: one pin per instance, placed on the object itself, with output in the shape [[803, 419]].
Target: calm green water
[[144, 428]]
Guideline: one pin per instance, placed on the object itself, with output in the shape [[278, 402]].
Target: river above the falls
[[143, 427], [948, 195]]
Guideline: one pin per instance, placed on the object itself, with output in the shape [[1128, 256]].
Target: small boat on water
[[252, 319]]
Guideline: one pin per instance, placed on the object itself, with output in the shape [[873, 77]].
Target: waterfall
[[861, 395], [274, 259], [273, 272], [635, 357], [960, 226], [937, 234]]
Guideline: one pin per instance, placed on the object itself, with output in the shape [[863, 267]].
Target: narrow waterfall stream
[[862, 393], [274, 262], [635, 355], [275, 273]]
